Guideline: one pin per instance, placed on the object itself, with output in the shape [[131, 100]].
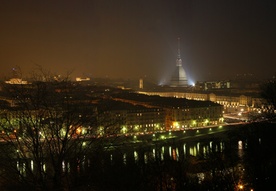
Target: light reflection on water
[[240, 148], [136, 156], [124, 158], [149, 154], [169, 152]]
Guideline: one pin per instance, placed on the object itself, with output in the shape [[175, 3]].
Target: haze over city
[[132, 39]]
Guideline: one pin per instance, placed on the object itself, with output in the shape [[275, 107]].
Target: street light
[[240, 187]]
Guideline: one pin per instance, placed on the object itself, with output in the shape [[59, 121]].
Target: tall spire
[[178, 50], [178, 59], [179, 78]]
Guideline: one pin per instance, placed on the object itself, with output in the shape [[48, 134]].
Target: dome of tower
[[179, 78]]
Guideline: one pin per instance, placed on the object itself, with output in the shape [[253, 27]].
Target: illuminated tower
[[141, 83], [179, 78]]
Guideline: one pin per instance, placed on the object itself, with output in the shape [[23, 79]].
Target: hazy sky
[[136, 38]]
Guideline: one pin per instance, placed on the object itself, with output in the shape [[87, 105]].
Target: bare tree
[[51, 122]]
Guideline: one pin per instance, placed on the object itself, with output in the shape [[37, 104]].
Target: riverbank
[[168, 137]]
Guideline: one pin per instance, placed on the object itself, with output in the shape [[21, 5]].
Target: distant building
[[130, 117], [79, 79], [141, 83], [16, 81], [179, 78], [212, 85], [16, 78], [176, 113], [232, 102]]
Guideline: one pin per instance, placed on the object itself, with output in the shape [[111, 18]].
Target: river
[[241, 158]]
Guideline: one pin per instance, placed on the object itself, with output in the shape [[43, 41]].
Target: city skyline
[[132, 39]]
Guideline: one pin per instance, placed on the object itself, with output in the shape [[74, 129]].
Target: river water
[[241, 159]]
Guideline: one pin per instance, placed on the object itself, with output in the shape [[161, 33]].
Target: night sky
[[138, 38]]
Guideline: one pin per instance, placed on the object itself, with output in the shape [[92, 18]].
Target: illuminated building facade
[[80, 79], [170, 113], [231, 103], [142, 119], [185, 117], [16, 81], [130, 117], [213, 85]]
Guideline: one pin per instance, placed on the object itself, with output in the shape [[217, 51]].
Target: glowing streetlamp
[[206, 121], [240, 187], [124, 130], [79, 130], [176, 125]]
